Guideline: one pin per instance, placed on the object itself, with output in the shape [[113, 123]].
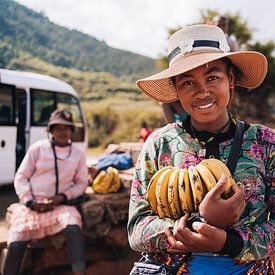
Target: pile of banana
[[107, 181], [172, 190]]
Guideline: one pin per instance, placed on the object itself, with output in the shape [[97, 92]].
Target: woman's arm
[[80, 179], [23, 175], [257, 225], [258, 233], [145, 228]]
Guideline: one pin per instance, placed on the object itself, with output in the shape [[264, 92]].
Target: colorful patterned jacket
[[173, 146]]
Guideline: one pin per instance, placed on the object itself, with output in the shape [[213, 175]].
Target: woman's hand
[[207, 238], [221, 212], [56, 200], [42, 207], [48, 204]]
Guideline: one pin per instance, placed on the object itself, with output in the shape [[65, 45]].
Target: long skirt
[[26, 224]]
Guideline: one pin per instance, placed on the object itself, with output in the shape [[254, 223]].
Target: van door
[[7, 134], [20, 118]]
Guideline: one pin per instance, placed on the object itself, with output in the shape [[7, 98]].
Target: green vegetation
[[90, 85], [31, 32]]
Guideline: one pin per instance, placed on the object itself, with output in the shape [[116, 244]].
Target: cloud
[[141, 25]]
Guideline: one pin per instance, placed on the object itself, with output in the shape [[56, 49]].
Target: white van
[[26, 101]]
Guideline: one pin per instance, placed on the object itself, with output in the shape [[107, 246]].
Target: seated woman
[[52, 172]]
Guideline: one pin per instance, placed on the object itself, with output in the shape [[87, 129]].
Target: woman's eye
[[212, 78], [188, 82]]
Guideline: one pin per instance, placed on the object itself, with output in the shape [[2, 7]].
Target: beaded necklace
[[202, 151]]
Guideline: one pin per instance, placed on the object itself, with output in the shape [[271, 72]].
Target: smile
[[202, 107]]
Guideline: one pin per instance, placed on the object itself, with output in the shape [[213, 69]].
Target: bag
[[145, 266], [118, 161], [142, 268]]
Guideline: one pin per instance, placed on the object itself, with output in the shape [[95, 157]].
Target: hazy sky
[[141, 25]]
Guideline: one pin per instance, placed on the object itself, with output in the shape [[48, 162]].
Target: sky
[[141, 26]]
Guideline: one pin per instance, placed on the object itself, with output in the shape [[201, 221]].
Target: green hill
[[25, 31]]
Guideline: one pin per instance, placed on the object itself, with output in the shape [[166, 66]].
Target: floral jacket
[[173, 146]]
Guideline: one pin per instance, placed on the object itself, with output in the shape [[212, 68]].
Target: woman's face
[[61, 134], [204, 94]]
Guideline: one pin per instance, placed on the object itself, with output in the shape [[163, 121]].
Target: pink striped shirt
[[36, 178]]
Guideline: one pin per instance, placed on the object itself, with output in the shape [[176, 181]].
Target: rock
[[117, 237]]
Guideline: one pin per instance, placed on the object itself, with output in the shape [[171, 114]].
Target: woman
[[52, 173], [202, 74], [145, 131]]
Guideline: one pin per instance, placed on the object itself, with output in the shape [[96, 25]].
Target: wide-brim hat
[[61, 117], [197, 45]]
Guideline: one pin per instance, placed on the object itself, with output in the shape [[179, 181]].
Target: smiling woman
[[202, 75]]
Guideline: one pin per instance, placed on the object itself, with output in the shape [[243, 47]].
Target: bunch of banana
[[107, 181], [172, 191]]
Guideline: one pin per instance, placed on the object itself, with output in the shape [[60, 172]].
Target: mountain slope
[[23, 30]]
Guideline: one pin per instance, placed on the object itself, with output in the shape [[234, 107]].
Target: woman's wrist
[[233, 244], [30, 203], [64, 198]]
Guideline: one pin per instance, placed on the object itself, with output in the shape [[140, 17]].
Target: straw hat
[[61, 117], [197, 45]]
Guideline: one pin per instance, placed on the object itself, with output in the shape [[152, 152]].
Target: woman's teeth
[[205, 106]]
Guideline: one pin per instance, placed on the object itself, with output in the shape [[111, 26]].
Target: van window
[[45, 102], [7, 105]]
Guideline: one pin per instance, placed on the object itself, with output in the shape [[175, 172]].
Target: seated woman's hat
[[197, 45], [61, 117]]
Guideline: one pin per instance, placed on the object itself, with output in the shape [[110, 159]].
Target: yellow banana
[[161, 194], [183, 195], [196, 186], [151, 190], [218, 168], [188, 191], [115, 184], [206, 176], [173, 194], [96, 182], [105, 182]]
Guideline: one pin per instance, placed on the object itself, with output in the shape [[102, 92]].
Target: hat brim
[[252, 65], [61, 122]]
